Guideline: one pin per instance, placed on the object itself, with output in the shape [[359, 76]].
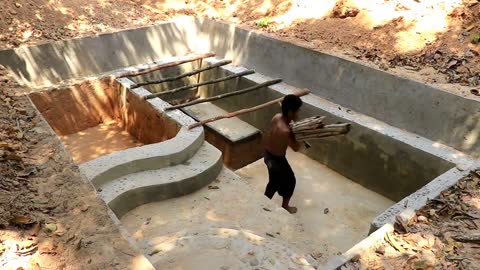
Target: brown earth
[[50, 218]]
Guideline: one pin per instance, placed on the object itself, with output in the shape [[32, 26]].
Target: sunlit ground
[[416, 23]]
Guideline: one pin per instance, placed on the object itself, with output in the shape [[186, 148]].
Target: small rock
[[421, 219], [326, 210], [18, 5], [380, 250], [269, 234], [78, 244], [254, 262], [13, 12], [266, 209]]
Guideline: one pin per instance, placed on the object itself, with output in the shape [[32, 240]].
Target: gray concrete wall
[[171, 72], [413, 106], [410, 105], [366, 156], [52, 63]]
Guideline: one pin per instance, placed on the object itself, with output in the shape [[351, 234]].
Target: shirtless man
[[281, 176]]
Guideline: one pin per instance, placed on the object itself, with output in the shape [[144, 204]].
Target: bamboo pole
[[229, 94], [247, 110], [183, 88], [166, 65], [191, 73]]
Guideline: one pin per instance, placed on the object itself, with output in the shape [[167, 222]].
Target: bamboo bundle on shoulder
[[314, 128]]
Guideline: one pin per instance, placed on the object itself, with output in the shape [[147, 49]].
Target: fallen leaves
[[443, 235], [51, 227], [21, 221]]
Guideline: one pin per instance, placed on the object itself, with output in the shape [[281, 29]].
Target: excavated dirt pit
[[96, 118]]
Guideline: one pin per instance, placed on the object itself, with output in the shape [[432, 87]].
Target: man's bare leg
[[290, 209]]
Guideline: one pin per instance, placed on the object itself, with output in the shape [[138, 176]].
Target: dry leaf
[[21, 220], [51, 227], [36, 229]]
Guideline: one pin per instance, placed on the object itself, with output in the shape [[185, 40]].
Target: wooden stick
[[183, 88], [193, 72], [171, 64], [247, 110], [229, 94], [329, 134]]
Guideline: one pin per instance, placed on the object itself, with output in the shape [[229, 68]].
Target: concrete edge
[[436, 149], [406, 208], [162, 191], [116, 73], [147, 157], [356, 250]]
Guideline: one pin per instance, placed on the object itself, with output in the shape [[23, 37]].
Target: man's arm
[[292, 142]]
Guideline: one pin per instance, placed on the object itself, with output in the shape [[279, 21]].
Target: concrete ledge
[[407, 207], [141, 188], [148, 157], [364, 245]]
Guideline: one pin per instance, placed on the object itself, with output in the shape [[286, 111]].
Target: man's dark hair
[[291, 103]]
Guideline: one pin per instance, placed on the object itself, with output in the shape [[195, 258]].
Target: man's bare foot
[[290, 209]]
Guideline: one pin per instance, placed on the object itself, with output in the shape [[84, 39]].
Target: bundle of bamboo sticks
[[314, 128]]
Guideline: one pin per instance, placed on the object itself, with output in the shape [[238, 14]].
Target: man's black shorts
[[280, 174]]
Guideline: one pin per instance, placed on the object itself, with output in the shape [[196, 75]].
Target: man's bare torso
[[279, 137]]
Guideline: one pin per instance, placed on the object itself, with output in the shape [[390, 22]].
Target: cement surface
[[351, 207], [233, 129], [97, 141], [234, 205]]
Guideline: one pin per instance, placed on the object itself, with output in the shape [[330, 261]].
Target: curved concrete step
[[130, 191], [148, 157]]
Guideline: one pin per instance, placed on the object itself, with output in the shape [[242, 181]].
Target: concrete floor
[[167, 228], [351, 207], [97, 141], [233, 206]]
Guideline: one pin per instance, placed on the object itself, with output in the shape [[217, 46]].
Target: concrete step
[[240, 142], [234, 129], [130, 191]]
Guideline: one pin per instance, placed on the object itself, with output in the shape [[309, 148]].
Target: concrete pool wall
[[406, 104]]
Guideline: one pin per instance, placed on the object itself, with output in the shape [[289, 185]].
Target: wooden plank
[[187, 74], [152, 68], [229, 94], [183, 88], [247, 110]]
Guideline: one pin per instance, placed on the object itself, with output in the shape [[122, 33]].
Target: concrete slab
[[351, 207], [233, 129]]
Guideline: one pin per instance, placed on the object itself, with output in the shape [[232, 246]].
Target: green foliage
[[476, 39], [264, 22]]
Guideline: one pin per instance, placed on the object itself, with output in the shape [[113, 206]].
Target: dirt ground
[[443, 235], [50, 218], [429, 41]]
